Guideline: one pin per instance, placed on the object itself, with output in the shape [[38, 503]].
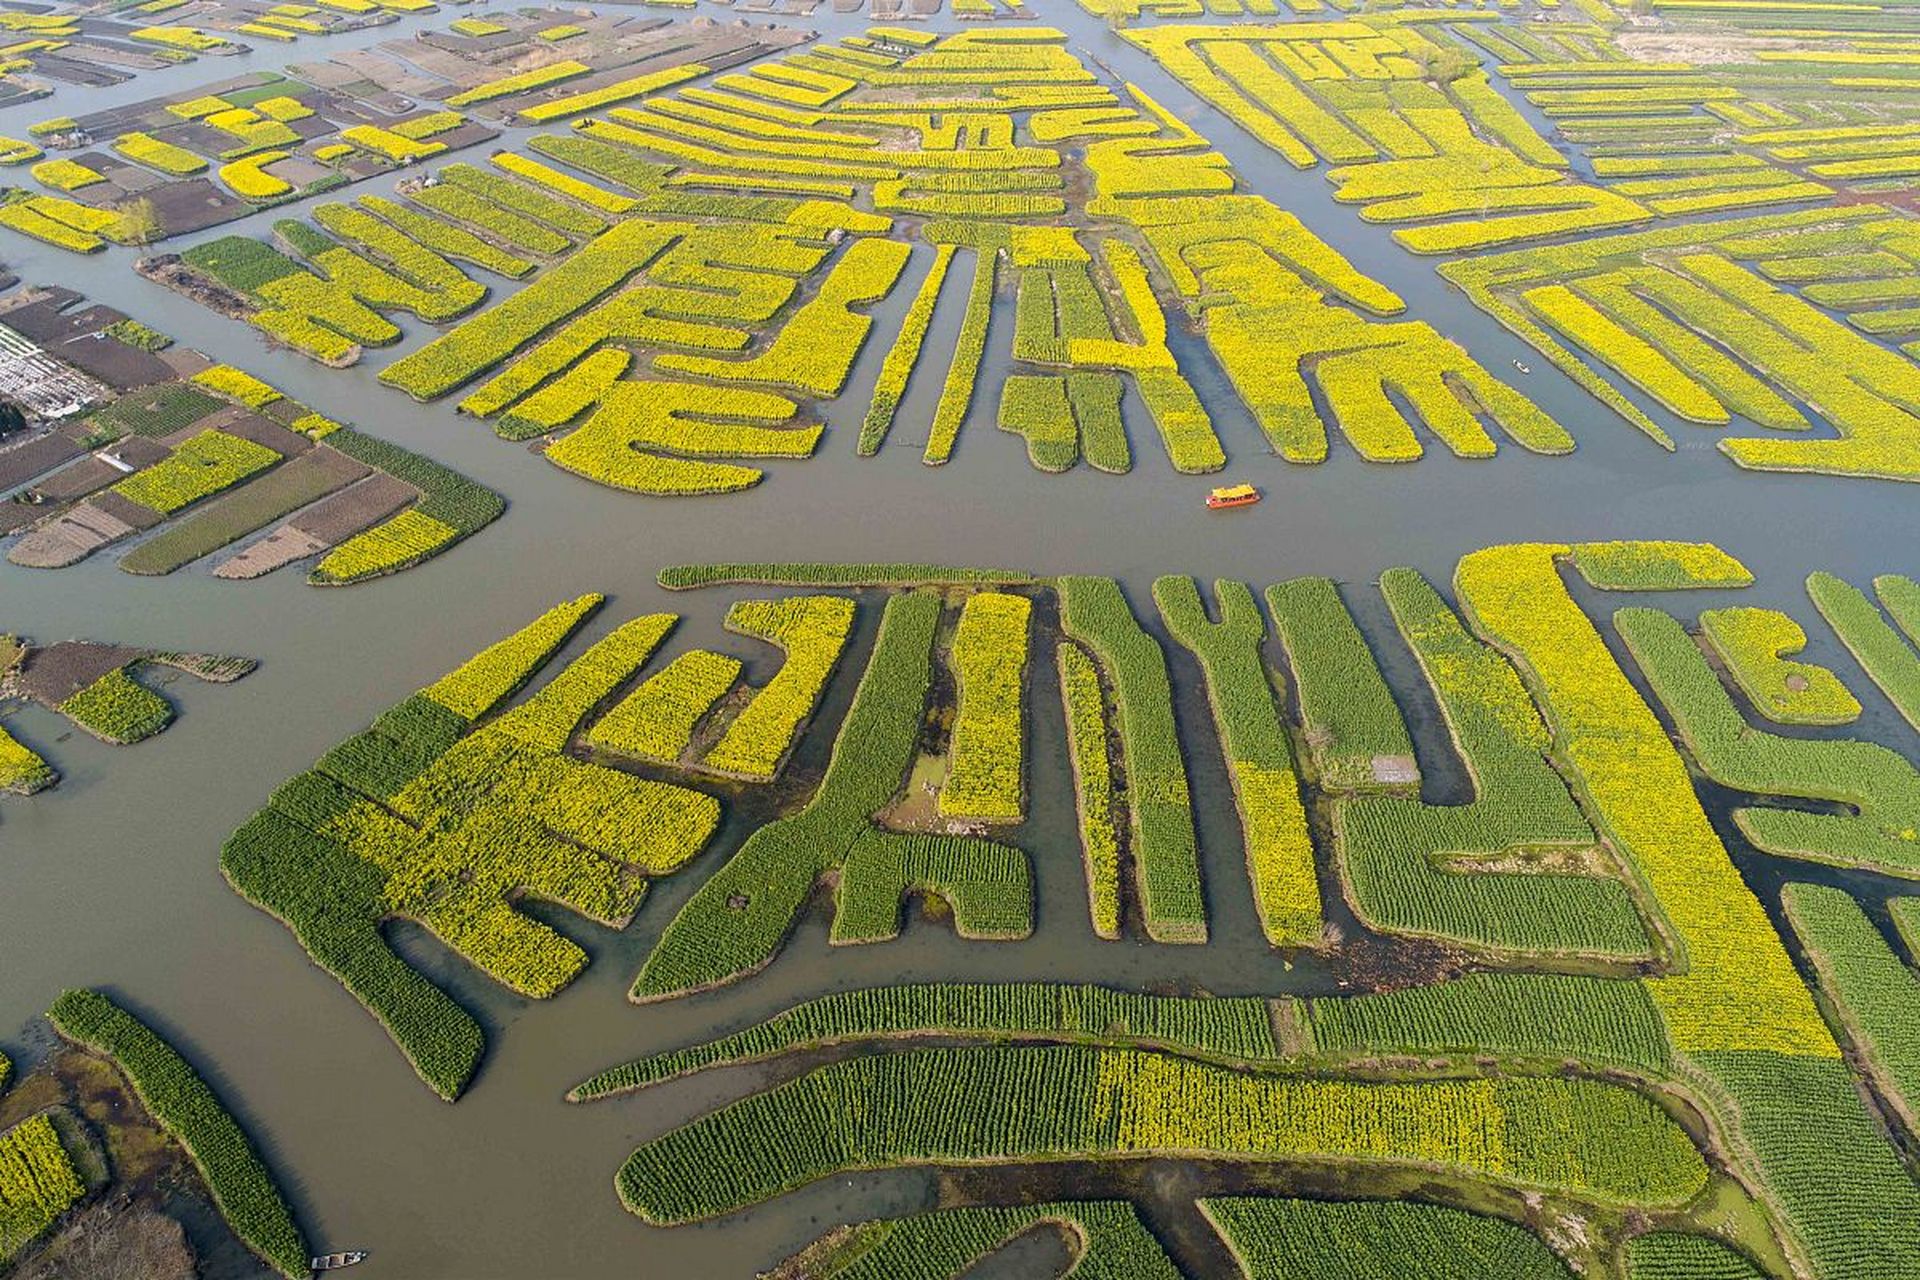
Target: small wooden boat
[[1239, 495], [338, 1261]]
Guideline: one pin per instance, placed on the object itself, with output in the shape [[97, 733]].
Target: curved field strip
[[1095, 612], [1218, 1028], [1415, 868], [1106, 1238], [1266, 786], [961, 1106], [182, 1103], [1875, 995], [1878, 786], [1276, 1239], [741, 917], [1754, 1047]]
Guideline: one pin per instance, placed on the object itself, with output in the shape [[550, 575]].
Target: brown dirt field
[[108, 53], [465, 135], [114, 1240], [268, 434], [297, 171], [90, 474], [75, 71], [69, 539], [126, 510], [78, 480], [22, 462], [358, 168], [325, 75], [311, 127], [42, 316], [1369, 962], [281, 547], [194, 204], [52, 675], [139, 451], [167, 269], [1703, 48], [15, 516], [127, 177], [185, 361], [97, 194], [113, 362], [283, 411], [348, 512], [392, 76], [1909, 200]]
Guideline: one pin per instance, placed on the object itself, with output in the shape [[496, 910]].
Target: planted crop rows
[[704, 265], [1583, 948], [184, 1105], [1605, 944]]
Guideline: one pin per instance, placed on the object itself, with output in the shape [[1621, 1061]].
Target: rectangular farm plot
[[200, 463], [170, 166], [96, 49]]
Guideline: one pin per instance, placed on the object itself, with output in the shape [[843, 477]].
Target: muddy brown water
[[112, 879]]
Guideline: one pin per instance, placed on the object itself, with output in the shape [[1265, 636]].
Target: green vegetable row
[[187, 1109]]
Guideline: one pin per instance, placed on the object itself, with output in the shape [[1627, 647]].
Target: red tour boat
[[1239, 495]]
